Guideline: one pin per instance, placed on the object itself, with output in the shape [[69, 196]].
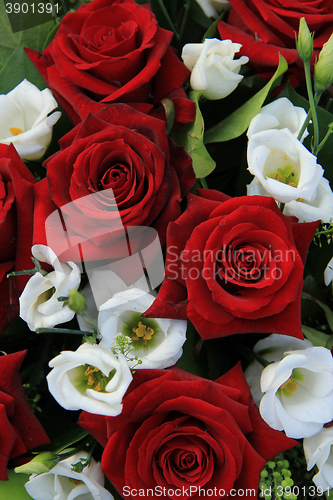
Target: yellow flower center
[[290, 385], [96, 379], [142, 332], [15, 130]]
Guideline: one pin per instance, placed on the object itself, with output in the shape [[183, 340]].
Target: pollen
[[16, 131], [142, 331], [289, 385]]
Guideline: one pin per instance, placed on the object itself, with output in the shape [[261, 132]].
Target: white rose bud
[[298, 392], [39, 304], [91, 378], [63, 483], [214, 69], [26, 121]]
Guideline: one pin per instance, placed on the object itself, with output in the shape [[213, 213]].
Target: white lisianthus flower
[[278, 115], [272, 348], [213, 67], [298, 392], [91, 378], [320, 207], [283, 166], [39, 305], [328, 274], [62, 483], [318, 451], [26, 121], [156, 342], [212, 8]]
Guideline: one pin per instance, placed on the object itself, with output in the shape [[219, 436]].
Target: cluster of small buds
[[124, 345], [276, 481], [324, 230]]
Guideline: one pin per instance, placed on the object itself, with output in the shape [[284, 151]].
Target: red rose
[[113, 51], [16, 209], [20, 431], [136, 172], [234, 266], [266, 28], [180, 432]]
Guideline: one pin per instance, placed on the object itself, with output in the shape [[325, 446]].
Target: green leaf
[[317, 338], [10, 42], [237, 123], [212, 31], [193, 359], [191, 138], [328, 312], [13, 489], [67, 439], [17, 68]]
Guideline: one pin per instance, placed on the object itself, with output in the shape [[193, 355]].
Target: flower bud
[[43, 462], [77, 301], [304, 41], [323, 72]]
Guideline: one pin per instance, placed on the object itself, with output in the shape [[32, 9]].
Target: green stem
[[185, 16], [312, 107], [308, 118], [204, 183], [168, 19], [63, 330], [328, 133]]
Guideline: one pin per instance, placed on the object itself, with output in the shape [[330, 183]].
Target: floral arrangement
[[166, 225]]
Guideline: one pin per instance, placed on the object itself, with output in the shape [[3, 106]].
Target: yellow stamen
[[90, 369], [289, 385], [143, 331], [15, 130], [91, 380]]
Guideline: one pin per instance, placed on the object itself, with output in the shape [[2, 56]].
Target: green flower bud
[[43, 462], [304, 42], [77, 301], [323, 73]]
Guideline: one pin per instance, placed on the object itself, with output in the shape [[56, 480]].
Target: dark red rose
[[137, 174], [20, 431], [16, 223], [234, 265], [266, 28], [113, 51], [180, 432]]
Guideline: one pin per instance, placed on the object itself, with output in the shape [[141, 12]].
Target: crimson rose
[[136, 175], [20, 431], [180, 432], [16, 213], [234, 266], [113, 51], [266, 28]]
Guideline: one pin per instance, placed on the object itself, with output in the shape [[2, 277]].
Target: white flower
[[298, 392], [318, 451], [271, 348], [279, 114], [91, 379], [61, 483], [157, 342], [283, 166], [319, 208], [212, 8], [328, 274], [25, 121], [214, 69], [39, 305]]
